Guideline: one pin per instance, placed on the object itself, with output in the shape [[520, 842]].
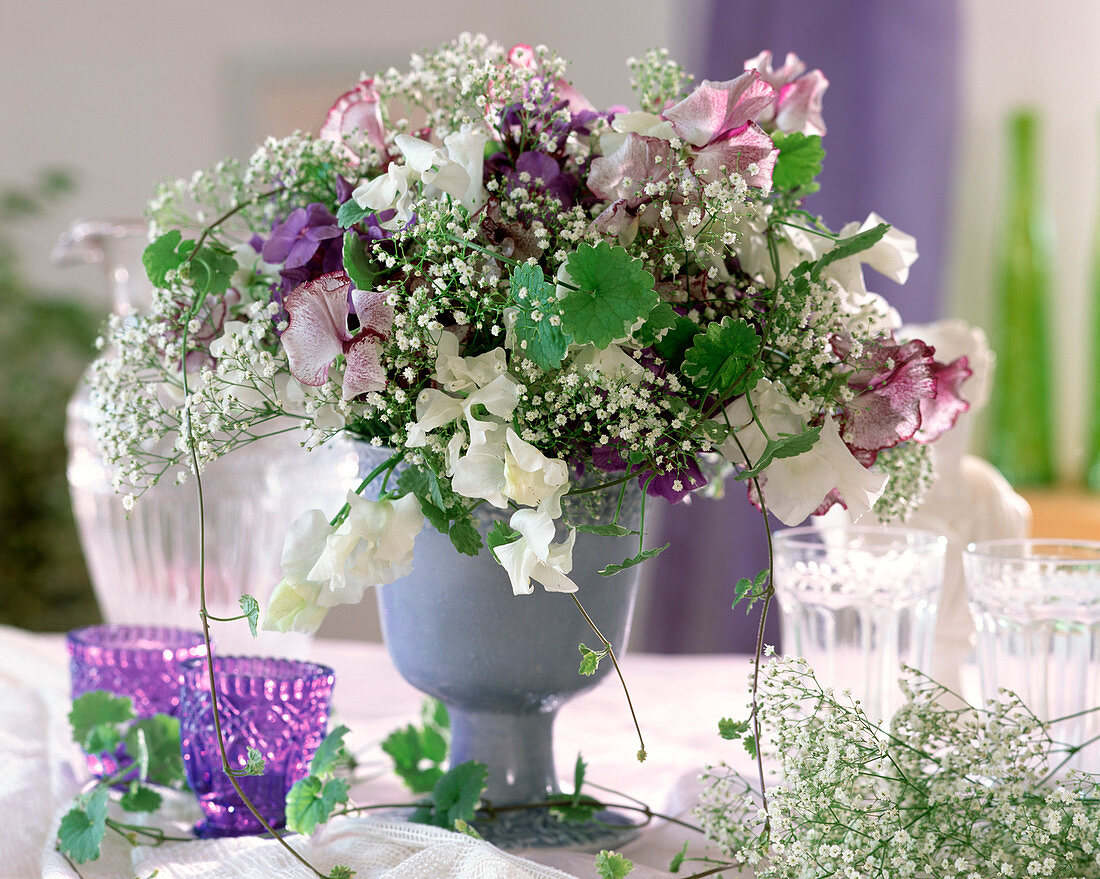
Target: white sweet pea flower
[[891, 256], [467, 147], [483, 379], [293, 604], [638, 122], [612, 362], [389, 191], [506, 468], [371, 547], [455, 373], [433, 166], [796, 486], [533, 556]]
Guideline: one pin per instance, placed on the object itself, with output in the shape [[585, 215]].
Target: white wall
[[1042, 54]]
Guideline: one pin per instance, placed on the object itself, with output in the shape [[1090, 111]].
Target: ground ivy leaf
[[161, 737], [251, 609], [81, 832], [409, 750], [613, 291], [139, 798], [330, 752], [612, 865], [731, 729], [433, 745], [579, 769], [165, 254], [590, 659], [210, 270], [574, 809], [465, 537], [611, 530], [434, 713], [661, 319], [540, 338], [851, 246], [310, 802], [676, 342], [358, 267], [104, 737], [254, 766], [784, 446], [799, 160], [423, 483], [723, 357], [501, 534], [644, 555], [467, 829], [457, 794], [348, 214], [741, 590], [98, 708], [678, 859]]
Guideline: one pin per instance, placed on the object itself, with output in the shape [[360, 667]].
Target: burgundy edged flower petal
[[364, 371], [317, 313], [736, 152], [355, 115], [888, 409], [717, 107], [939, 413]]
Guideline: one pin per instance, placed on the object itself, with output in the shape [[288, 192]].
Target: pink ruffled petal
[[755, 101], [792, 67], [701, 116], [715, 108], [634, 161], [938, 414], [800, 104], [317, 326], [356, 112], [737, 152], [888, 411], [375, 316], [364, 372]]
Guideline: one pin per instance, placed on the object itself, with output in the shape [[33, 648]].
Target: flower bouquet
[[522, 298]]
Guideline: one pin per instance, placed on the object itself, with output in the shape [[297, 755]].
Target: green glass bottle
[[1021, 429], [1092, 450]]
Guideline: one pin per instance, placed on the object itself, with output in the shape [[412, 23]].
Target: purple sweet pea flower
[[294, 241], [672, 485]]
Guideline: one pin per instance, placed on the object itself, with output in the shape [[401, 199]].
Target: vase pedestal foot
[[539, 829]]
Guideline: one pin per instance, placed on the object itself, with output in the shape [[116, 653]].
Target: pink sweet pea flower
[[939, 413], [798, 107], [356, 115], [317, 333], [891, 385], [718, 118]]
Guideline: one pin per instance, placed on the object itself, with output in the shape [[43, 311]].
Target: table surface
[[678, 700]]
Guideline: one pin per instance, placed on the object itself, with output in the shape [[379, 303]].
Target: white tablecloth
[[679, 700]]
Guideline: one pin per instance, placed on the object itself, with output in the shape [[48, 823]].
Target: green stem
[[206, 628], [615, 662], [758, 653]]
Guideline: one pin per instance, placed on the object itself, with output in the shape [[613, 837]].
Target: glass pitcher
[[144, 565]]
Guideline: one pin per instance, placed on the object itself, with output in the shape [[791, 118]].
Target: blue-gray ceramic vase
[[503, 664]]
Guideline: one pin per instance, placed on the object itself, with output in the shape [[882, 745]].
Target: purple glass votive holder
[[280, 707], [142, 662]]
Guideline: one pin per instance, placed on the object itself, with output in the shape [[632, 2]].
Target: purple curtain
[[890, 112]]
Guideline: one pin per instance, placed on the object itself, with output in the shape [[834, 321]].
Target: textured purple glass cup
[[280, 707], [142, 662]]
